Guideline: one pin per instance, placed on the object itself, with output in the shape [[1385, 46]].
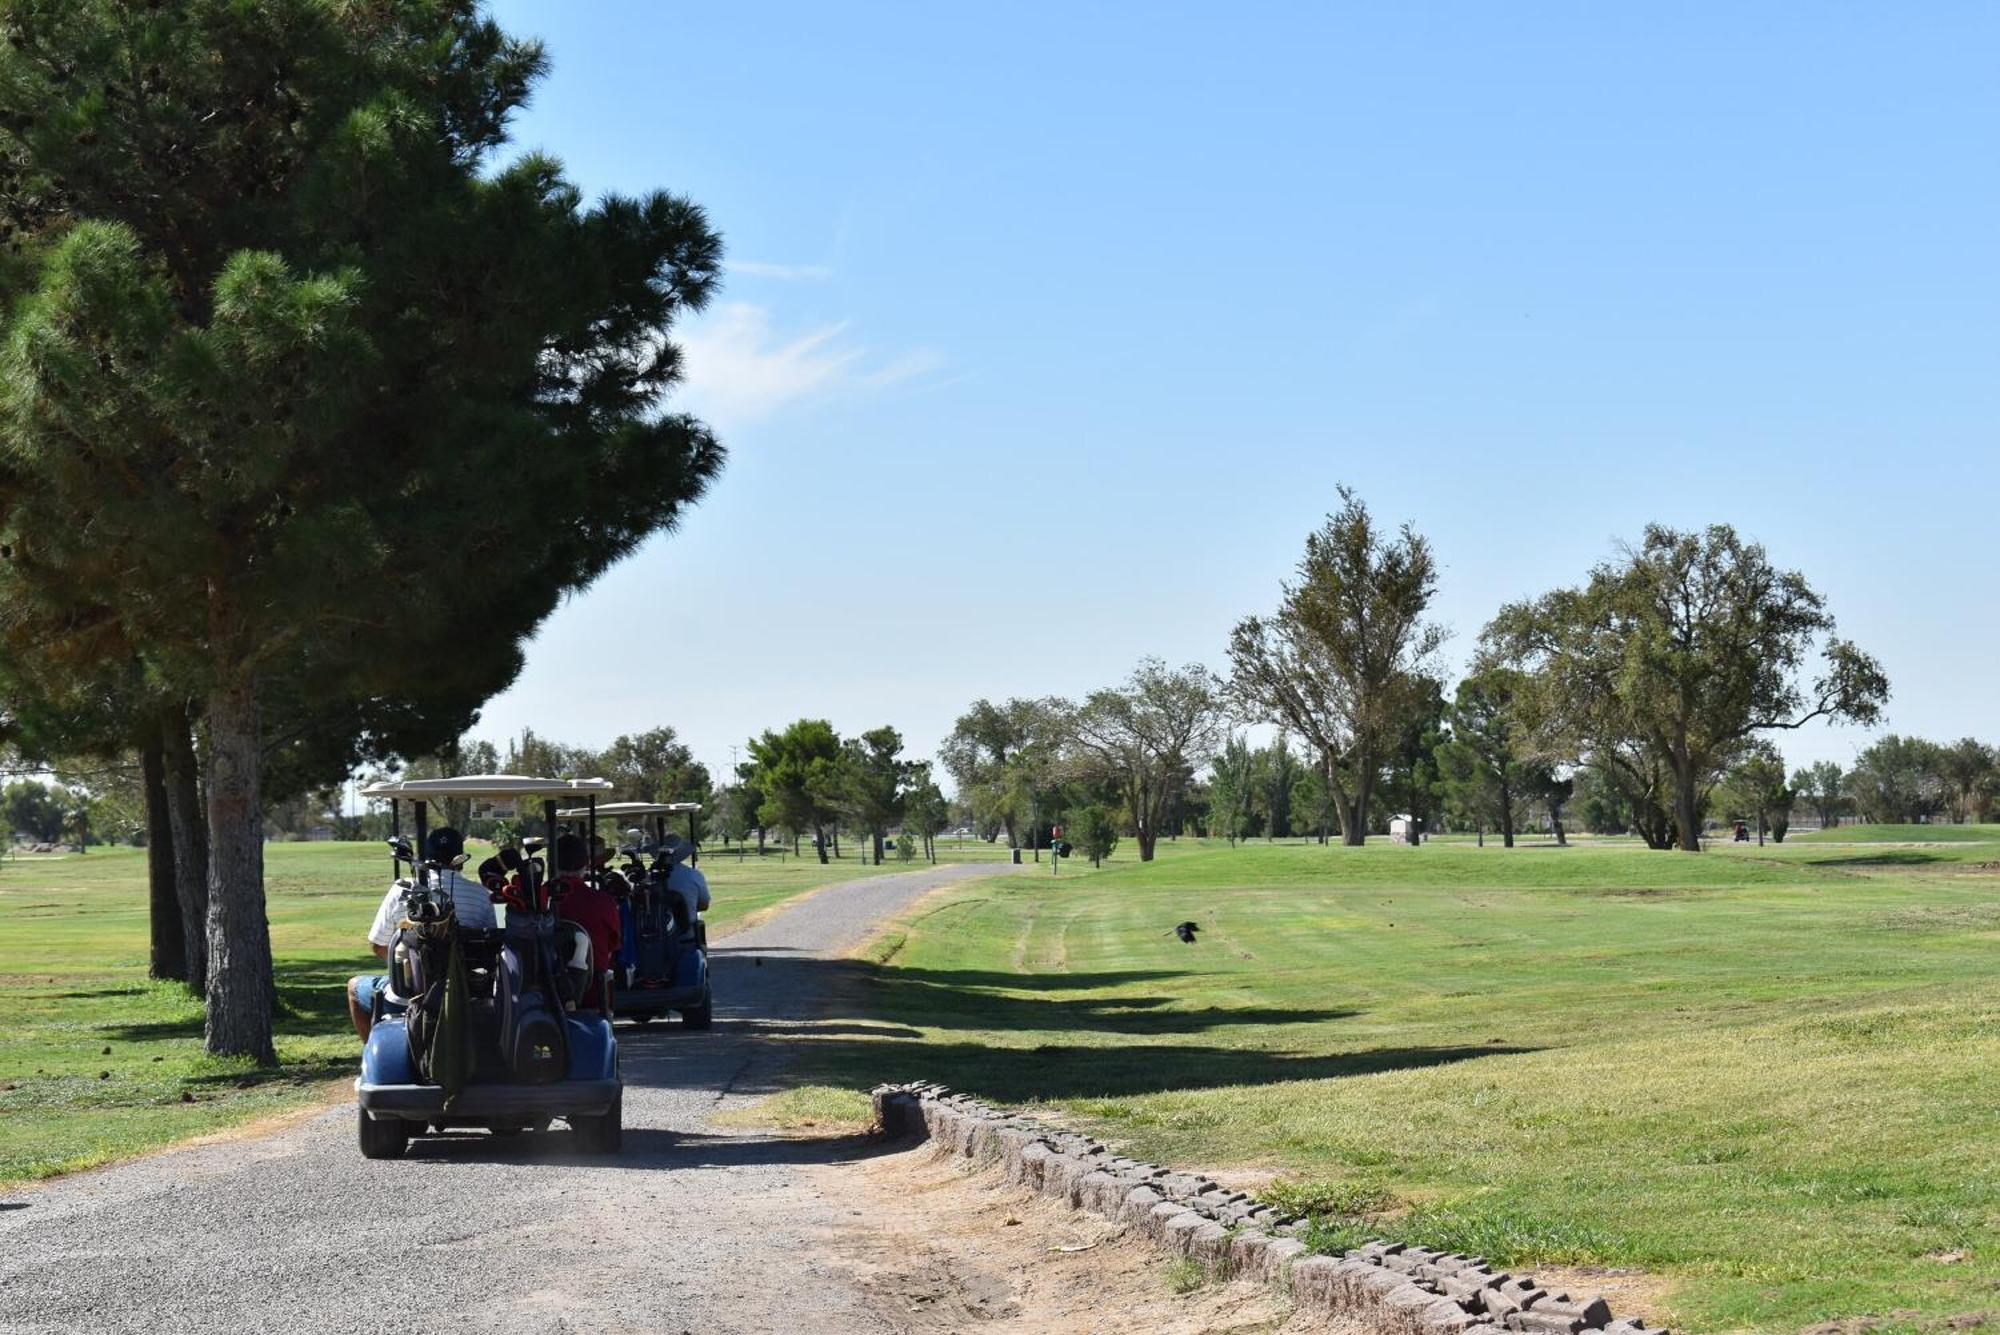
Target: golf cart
[[488, 1027], [663, 964]]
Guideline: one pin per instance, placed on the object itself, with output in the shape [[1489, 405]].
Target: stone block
[[1277, 1254], [1590, 1311], [1138, 1203], [1034, 1161], [1178, 1232], [1101, 1193], [1314, 1283], [1155, 1225], [1443, 1317], [1209, 1244]]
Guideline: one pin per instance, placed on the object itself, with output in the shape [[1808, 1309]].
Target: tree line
[[1638, 697]]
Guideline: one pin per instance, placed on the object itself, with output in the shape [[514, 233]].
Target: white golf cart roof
[[634, 809], [491, 786]]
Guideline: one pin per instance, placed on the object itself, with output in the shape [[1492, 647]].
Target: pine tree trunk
[[190, 843], [878, 848], [819, 843], [239, 935], [169, 942], [1506, 815]]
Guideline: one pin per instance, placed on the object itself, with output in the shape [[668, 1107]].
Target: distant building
[[1399, 827]]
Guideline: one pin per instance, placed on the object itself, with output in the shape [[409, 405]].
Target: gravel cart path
[[691, 1228]]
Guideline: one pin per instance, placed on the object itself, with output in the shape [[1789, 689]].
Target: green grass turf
[[1922, 834], [98, 1062], [1767, 1075]]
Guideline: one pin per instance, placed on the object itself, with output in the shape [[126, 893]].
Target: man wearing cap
[[470, 901]]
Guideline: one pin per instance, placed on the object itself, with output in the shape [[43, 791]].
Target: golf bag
[[533, 1037], [652, 929], [428, 966]]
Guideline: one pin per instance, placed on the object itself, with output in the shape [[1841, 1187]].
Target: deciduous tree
[[1898, 780], [999, 755], [926, 812], [1342, 661], [1822, 785], [1144, 735], [1680, 652], [1967, 766]]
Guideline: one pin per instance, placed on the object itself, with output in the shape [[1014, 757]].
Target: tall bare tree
[[1344, 659]]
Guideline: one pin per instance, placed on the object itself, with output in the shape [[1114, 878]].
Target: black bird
[[1186, 931]]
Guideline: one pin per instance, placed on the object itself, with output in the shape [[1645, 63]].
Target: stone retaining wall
[[1398, 1290]]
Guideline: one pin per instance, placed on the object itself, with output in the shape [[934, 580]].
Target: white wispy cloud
[[741, 366], [792, 273]]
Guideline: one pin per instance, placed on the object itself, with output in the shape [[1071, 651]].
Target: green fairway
[[1767, 1075], [1922, 834], [97, 1062]]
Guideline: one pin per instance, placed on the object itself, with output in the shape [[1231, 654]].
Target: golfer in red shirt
[[590, 908]]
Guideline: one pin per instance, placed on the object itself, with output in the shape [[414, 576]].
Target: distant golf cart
[[484, 1027], [663, 964]]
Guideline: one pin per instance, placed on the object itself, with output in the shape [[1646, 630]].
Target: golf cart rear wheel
[[385, 1139], [602, 1134], [700, 1017], [640, 1019]]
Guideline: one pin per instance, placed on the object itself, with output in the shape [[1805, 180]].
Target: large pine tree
[[326, 401]]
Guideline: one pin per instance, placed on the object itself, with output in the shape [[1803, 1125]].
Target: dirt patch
[[940, 1245]]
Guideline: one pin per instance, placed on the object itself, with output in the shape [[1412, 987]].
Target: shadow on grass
[[312, 1002], [304, 1071], [1886, 857], [1092, 1052], [944, 999], [1078, 1071]]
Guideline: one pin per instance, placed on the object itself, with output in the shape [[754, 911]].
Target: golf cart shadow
[[643, 1149]]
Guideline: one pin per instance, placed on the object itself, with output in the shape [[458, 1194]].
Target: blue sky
[[1050, 330]]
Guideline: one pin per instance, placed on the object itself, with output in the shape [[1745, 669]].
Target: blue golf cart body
[[396, 1102], [662, 961]]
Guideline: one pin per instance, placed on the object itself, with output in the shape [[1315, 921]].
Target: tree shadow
[[1887, 857], [1082, 1071], [306, 1071], [985, 1000], [311, 995]]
